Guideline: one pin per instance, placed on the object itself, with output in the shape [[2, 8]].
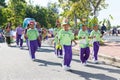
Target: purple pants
[[33, 45], [67, 55], [19, 40], [84, 54], [58, 51], [96, 49]]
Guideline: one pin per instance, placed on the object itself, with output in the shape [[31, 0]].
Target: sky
[[113, 9]]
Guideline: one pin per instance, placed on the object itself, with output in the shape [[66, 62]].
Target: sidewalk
[[109, 53]]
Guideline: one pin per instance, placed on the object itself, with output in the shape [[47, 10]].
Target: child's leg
[[35, 44], [60, 51], [82, 53], [21, 42], [87, 53], [31, 49], [96, 48], [17, 39], [67, 55], [55, 48]]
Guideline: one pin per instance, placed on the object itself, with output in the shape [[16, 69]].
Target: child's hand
[[83, 37], [94, 36]]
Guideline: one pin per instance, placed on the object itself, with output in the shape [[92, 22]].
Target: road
[[16, 64]]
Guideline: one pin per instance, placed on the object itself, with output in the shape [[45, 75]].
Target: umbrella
[[26, 21]]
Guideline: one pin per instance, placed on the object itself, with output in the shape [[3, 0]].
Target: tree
[[2, 3], [80, 9]]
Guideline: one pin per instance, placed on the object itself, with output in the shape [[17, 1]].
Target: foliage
[[17, 10]]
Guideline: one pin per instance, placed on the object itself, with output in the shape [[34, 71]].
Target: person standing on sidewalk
[[65, 37], [58, 47], [83, 36], [19, 33], [38, 26], [7, 35], [96, 37], [32, 35]]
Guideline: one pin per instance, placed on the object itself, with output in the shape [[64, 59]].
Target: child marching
[[66, 36], [32, 35], [58, 47], [83, 36], [19, 32], [96, 37]]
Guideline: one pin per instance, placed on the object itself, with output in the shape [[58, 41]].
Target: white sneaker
[[21, 47], [38, 48], [84, 64], [66, 68], [59, 56], [33, 59], [95, 61]]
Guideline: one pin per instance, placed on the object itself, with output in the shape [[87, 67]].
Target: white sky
[[113, 9]]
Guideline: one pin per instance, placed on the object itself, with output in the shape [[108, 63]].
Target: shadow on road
[[45, 50], [46, 63], [106, 69], [90, 76]]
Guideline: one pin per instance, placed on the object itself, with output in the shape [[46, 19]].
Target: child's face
[[58, 25], [66, 27], [32, 26], [84, 28], [95, 28]]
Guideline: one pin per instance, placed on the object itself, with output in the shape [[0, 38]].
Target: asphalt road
[[16, 64]]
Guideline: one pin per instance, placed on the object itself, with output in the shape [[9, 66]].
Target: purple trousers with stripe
[[96, 49], [58, 51], [67, 55], [33, 45], [84, 54], [19, 40]]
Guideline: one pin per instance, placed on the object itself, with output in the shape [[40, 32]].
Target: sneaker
[[59, 56], [21, 47], [38, 48], [66, 68], [84, 64], [33, 59], [95, 61]]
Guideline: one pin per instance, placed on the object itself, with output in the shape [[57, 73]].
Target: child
[[58, 47], [84, 44], [19, 32], [96, 36], [32, 35], [66, 36]]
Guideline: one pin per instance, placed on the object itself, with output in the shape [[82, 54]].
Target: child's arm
[[74, 42]]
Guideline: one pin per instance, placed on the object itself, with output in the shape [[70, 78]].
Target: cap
[[32, 22], [65, 22]]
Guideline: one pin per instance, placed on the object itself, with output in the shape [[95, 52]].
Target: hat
[[32, 22], [94, 25], [66, 22]]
